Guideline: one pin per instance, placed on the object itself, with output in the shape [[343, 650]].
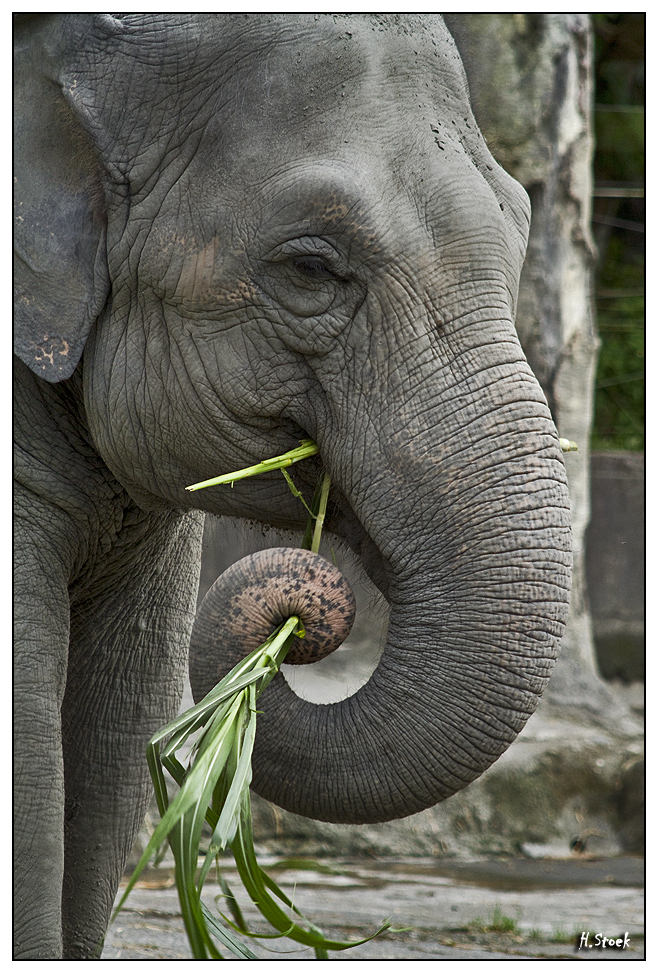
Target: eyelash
[[313, 267]]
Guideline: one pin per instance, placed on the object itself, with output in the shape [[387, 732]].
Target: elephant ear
[[61, 280]]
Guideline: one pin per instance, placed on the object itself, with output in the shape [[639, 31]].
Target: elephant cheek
[[255, 595]]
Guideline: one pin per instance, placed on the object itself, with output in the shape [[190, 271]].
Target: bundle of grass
[[215, 784]]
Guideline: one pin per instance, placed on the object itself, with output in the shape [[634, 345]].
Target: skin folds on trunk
[[462, 671], [478, 587]]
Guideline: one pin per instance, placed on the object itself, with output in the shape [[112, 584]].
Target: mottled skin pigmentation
[[255, 595]]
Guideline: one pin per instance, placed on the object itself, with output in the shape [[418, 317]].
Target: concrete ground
[[441, 909]]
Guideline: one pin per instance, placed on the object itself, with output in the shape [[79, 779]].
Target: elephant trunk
[[473, 535], [254, 596]]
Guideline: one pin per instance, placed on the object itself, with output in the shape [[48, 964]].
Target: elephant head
[[236, 231]]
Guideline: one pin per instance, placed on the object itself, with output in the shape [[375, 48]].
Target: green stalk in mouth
[[306, 449]]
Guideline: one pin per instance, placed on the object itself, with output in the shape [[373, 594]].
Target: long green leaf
[[215, 786], [321, 513], [197, 716], [297, 493], [198, 782], [231, 901], [188, 898], [227, 824], [240, 949], [256, 882], [307, 540]]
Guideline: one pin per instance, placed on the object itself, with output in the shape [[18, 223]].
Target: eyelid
[[311, 247]]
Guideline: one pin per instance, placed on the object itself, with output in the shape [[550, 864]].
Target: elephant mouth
[[342, 525], [346, 543]]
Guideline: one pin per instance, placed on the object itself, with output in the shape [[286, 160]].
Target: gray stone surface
[[615, 563], [441, 910]]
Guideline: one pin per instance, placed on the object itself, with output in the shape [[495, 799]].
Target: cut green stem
[[322, 510], [306, 449]]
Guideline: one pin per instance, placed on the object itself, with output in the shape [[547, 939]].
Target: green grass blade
[[307, 539], [225, 936], [154, 763], [227, 824], [197, 784], [237, 777], [191, 905], [257, 882], [231, 902], [297, 493], [175, 768], [202, 777], [188, 833], [194, 718], [180, 737]]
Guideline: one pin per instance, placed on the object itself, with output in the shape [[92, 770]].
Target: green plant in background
[[215, 785], [618, 222], [619, 401], [498, 922]]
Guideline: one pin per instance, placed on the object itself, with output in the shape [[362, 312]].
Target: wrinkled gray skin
[[234, 231]]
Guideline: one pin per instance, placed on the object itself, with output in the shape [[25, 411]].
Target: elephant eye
[[313, 267]]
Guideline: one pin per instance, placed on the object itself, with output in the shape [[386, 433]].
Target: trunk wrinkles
[[479, 549]]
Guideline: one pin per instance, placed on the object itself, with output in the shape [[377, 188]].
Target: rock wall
[[615, 563]]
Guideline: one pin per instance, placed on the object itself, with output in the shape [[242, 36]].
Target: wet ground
[[441, 909]]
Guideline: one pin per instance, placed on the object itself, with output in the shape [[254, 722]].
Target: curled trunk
[[478, 582]]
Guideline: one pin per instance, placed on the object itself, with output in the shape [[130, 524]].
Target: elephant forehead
[[351, 125], [286, 57], [312, 83], [260, 71]]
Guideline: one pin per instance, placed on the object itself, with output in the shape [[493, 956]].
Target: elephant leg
[[41, 633], [127, 663]]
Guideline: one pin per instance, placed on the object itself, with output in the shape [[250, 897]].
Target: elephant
[[234, 232]]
